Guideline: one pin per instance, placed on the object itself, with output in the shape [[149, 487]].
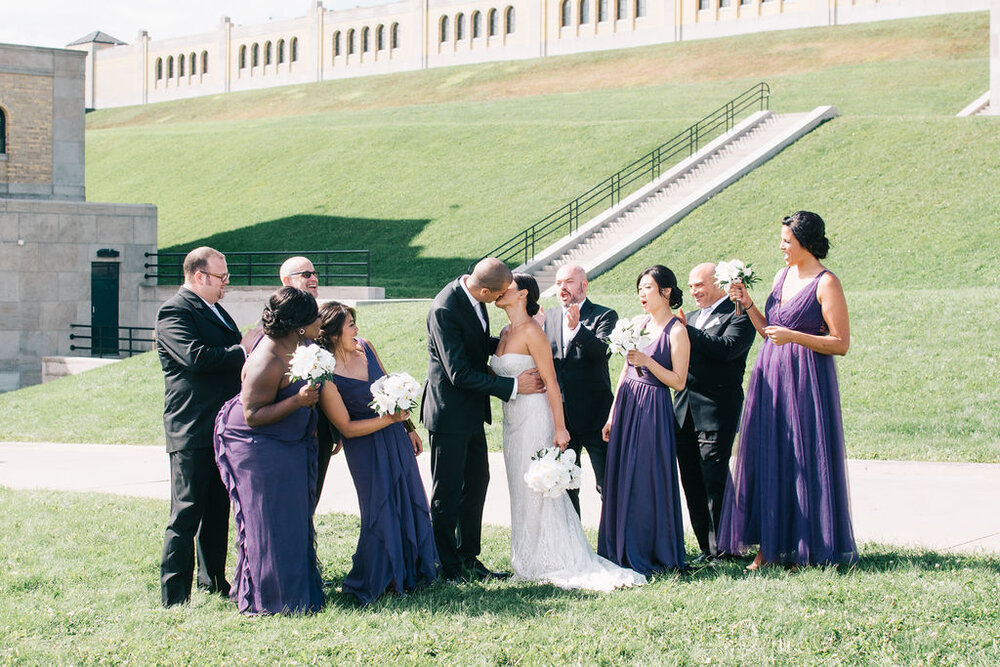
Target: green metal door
[[104, 308]]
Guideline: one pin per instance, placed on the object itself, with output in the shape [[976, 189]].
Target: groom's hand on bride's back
[[529, 382]]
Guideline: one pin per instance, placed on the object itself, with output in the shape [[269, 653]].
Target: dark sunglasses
[[304, 274]]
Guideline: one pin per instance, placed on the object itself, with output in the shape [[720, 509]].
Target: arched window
[[204, 62], [336, 44], [443, 30], [193, 59], [350, 41], [365, 46], [565, 14], [640, 8], [584, 11], [705, 4], [602, 11], [394, 36], [255, 55], [281, 51], [159, 69], [620, 10], [3, 132], [170, 67], [243, 56], [267, 53], [459, 26], [180, 65], [508, 21], [491, 22], [477, 24], [380, 38], [294, 49]]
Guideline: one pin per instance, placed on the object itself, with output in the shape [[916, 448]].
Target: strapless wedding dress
[[548, 544]]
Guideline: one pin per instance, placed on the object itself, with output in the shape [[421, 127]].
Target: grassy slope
[[66, 597]]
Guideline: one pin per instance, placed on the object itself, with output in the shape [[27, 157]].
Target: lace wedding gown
[[548, 544]]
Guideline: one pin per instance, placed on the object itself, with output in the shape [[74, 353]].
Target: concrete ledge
[[54, 368], [975, 106]]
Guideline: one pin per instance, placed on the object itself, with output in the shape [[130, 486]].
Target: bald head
[[702, 284], [571, 284], [488, 280], [298, 272]]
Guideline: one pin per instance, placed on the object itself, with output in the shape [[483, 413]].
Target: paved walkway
[[940, 506]]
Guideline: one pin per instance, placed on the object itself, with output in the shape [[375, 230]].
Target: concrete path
[[940, 506]]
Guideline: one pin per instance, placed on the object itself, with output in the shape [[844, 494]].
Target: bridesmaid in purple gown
[[396, 550], [789, 491], [641, 524], [265, 447]]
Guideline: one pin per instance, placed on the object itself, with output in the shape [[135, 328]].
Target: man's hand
[[681, 317], [573, 316], [529, 382]]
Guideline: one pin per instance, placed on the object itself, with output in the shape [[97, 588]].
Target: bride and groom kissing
[[548, 544]]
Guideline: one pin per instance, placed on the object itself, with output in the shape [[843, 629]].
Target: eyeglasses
[[221, 276], [305, 274]]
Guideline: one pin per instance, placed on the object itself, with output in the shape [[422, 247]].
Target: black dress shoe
[[479, 571]]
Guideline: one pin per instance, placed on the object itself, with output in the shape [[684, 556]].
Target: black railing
[[334, 267], [565, 220], [111, 341]]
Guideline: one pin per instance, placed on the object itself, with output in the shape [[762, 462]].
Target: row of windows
[[583, 11], [492, 27], [192, 60], [366, 42], [713, 4], [269, 53]]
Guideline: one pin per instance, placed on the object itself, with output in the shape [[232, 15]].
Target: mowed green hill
[[431, 169]]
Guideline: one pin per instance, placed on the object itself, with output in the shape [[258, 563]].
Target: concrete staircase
[[977, 107], [619, 231]]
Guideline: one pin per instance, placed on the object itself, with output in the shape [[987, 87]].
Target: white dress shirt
[[706, 313]]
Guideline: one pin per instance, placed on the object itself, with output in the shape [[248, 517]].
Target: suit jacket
[[583, 370], [714, 390], [459, 385], [201, 359]]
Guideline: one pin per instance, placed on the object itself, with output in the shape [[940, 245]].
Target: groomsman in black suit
[[199, 348], [578, 331], [456, 404], [708, 408]]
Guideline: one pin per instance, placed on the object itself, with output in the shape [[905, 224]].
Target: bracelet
[[408, 426]]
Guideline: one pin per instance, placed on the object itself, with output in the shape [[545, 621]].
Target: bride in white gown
[[548, 544]]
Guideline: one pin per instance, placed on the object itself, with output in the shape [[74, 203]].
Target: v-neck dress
[[789, 492], [396, 549]]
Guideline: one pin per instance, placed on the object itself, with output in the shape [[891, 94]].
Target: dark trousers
[[703, 459], [199, 516], [597, 450], [460, 472], [325, 453]]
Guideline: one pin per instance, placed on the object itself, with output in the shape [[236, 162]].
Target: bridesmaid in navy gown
[[265, 447], [396, 549], [641, 524], [789, 491]]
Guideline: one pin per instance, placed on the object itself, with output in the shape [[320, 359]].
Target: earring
[[302, 332]]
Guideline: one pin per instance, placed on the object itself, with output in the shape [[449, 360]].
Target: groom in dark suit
[[578, 331], [708, 408], [199, 348], [456, 404]]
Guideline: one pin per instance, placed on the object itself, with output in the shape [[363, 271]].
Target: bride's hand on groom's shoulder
[[561, 439]]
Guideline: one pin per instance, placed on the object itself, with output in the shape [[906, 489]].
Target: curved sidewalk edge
[[939, 506]]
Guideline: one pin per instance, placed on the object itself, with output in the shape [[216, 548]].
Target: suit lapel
[[202, 309]]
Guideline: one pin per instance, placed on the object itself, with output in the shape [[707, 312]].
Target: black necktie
[[486, 318]]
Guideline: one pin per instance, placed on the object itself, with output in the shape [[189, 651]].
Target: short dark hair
[[664, 279], [810, 231], [332, 318], [528, 282], [288, 309], [197, 260]]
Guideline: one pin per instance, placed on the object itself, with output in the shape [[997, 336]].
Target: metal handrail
[[102, 336], [520, 248], [262, 266]]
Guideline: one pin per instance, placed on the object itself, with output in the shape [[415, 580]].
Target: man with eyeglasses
[[199, 348]]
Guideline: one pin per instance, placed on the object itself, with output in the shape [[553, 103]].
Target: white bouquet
[[312, 363], [552, 471], [628, 335], [394, 392], [735, 271]]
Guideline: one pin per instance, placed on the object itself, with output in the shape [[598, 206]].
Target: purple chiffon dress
[[396, 550], [270, 473], [789, 491], [641, 526]]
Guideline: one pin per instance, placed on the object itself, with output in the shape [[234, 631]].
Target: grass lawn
[[79, 583]]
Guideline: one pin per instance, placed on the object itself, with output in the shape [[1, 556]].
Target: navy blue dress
[[396, 549]]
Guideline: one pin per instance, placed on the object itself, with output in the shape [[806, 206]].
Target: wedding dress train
[[548, 544]]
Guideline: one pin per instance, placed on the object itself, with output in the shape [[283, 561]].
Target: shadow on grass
[[396, 260]]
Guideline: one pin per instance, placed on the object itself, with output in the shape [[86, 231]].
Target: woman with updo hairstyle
[[396, 551], [641, 525], [265, 447], [789, 492]]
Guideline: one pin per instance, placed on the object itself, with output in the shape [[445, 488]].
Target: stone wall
[[46, 251]]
